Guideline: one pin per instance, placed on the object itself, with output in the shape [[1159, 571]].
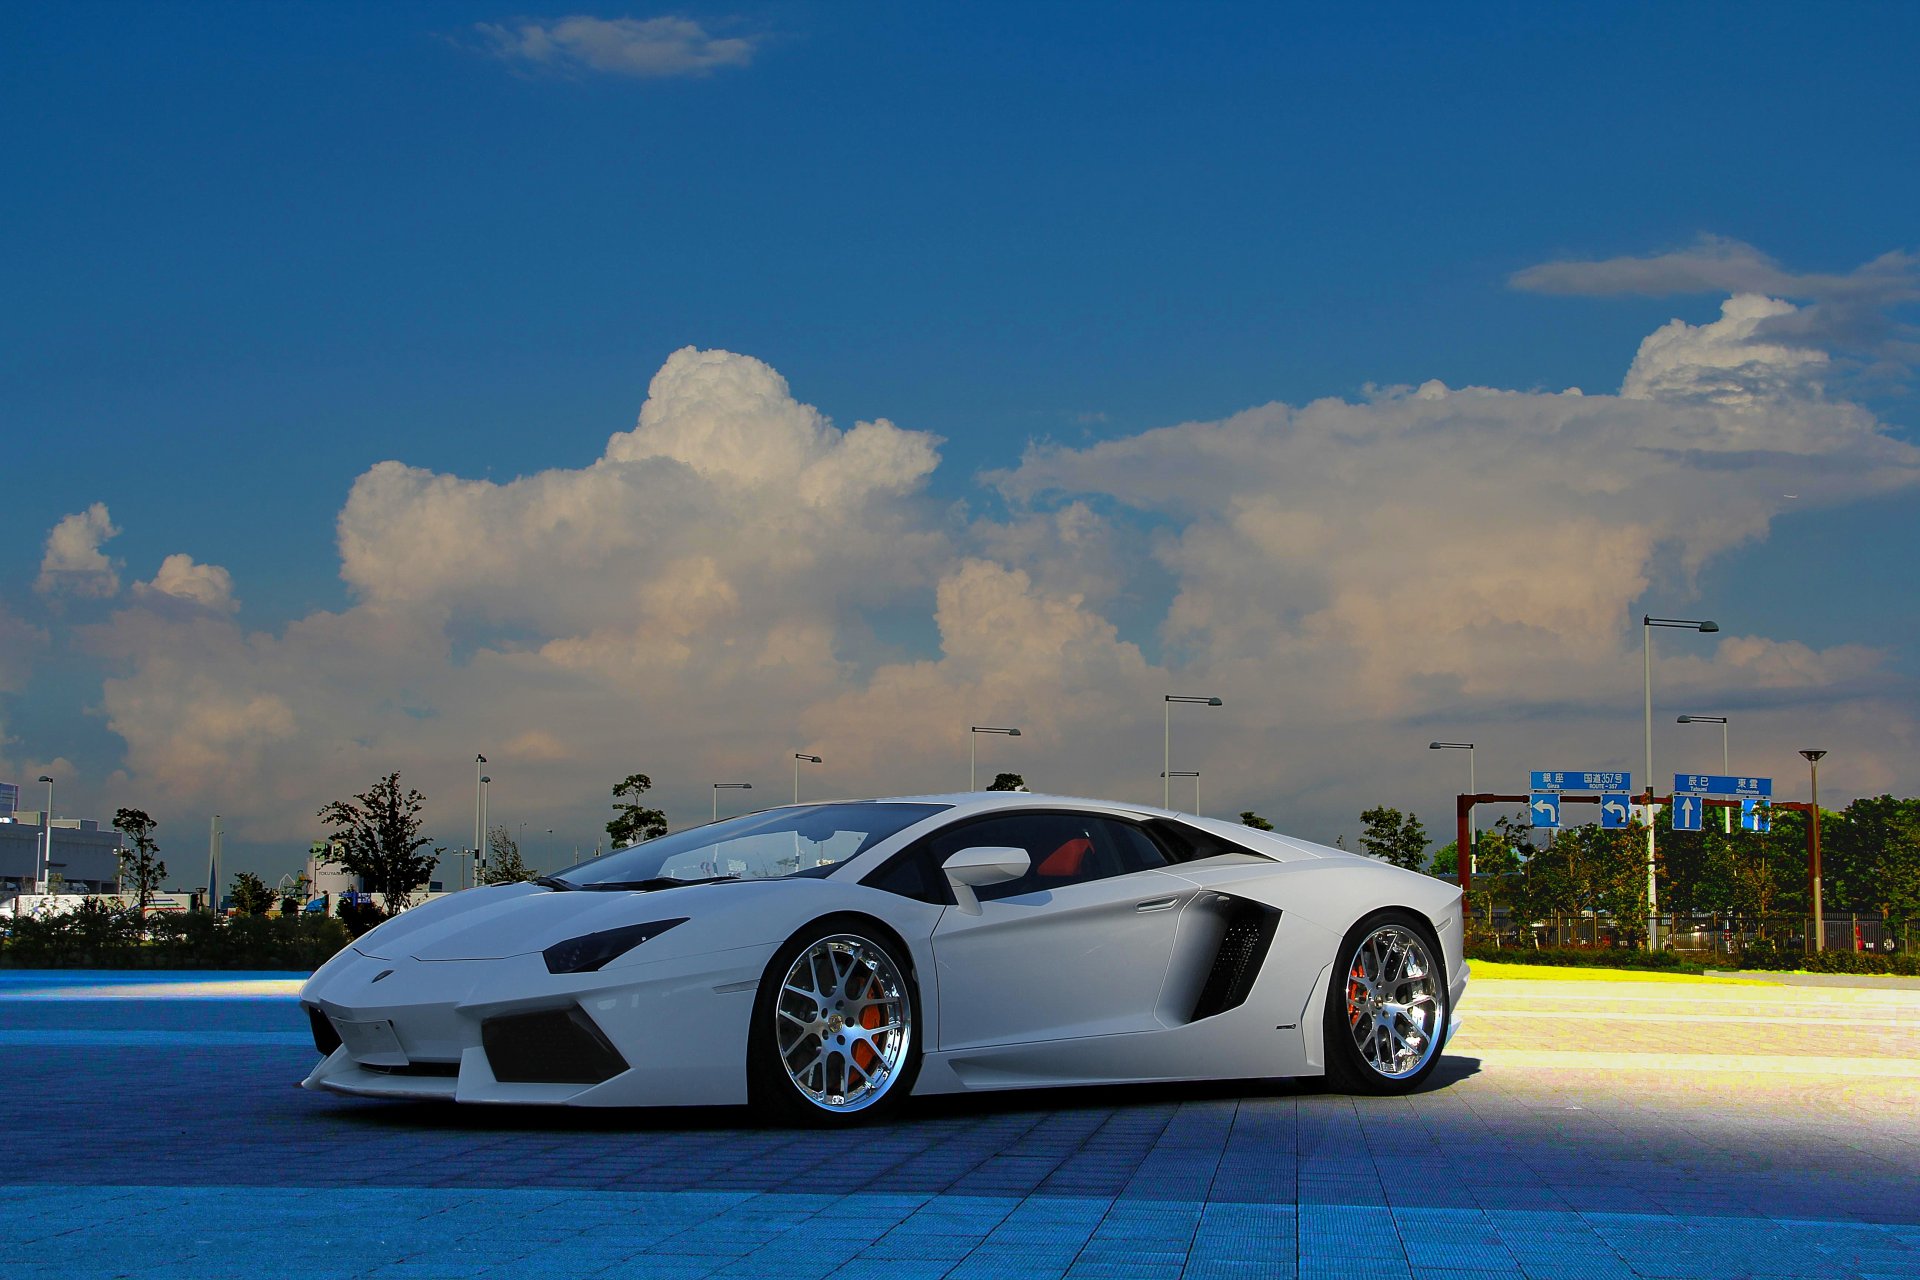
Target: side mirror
[[970, 869]]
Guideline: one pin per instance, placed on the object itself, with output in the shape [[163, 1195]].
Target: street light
[[1647, 624], [479, 859], [798, 756], [1166, 740], [972, 729], [1188, 773], [40, 880], [1726, 767], [718, 787], [1813, 864], [480, 851], [1473, 788]]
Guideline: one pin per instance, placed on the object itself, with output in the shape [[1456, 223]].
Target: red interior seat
[[1066, 860]]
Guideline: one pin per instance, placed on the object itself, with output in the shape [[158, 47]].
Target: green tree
[[1393, 837], [1248, 818], [140, 865], [252, 896], [633, 821], [503, 860], [376, 836], [1871, 857], [1008, 782]]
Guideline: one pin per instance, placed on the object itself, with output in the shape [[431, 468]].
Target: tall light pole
[[1726, 759], [1188, 773], [718, 787], [42, 878], [1647, 624], [1473, 788], [480, 850], [479, 819], [972, 731], [214, 834], [1813, 862], [798, 756], [1166, 740]]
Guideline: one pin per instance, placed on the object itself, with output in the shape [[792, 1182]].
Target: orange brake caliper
[[863, 1054]]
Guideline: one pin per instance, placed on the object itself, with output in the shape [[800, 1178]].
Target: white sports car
[[824, 961]]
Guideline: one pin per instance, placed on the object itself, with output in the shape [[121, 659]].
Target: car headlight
[[589, 951]]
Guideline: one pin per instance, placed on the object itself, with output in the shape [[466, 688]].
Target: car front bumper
[[665, 1033]]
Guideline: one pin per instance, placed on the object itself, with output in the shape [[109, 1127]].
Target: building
[[84, 856]]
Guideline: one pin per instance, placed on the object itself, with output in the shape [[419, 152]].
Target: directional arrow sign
[[1614, 810], [1756, 815], [1686, 811], [1545, 809]]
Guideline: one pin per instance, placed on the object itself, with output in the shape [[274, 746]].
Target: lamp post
[[1188, 773], [1813, 863], [480, 850], [1473, 788], [479, 820], [972, 731], [1647, 624], [1726, 766], [798, 756], [718, 787], [40, 877], [1166, 740]]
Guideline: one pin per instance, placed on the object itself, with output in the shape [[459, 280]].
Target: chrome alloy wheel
[[842, 1023], [1393, 1002]]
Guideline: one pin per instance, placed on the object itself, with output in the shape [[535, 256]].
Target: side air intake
[[1243, 948], [553, 1046]]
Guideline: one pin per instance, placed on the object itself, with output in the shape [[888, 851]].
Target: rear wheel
[[834, 1038], [1387, 1009]]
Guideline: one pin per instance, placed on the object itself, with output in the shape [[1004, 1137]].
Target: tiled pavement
[[152, 1131]]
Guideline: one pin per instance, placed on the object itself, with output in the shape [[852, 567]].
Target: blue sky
[[252, 251]]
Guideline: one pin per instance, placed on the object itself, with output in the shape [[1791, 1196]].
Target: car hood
[[512, 920]]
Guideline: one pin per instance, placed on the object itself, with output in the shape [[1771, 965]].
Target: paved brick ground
[[1578, 1130]]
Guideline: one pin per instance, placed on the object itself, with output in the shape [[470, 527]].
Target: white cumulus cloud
[[181, 578], [73, 563], [737, 578]]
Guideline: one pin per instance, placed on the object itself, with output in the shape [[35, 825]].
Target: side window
[[1183, 843], [1137, 849], [1062, 849]]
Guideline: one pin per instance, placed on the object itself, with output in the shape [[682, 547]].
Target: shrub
[[103, 935], [1585, 957]]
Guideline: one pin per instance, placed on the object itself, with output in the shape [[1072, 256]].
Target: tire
[[1385, 1037], [835, 1038]]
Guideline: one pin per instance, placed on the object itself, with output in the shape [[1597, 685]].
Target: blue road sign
[[1756, 814], [1545, 809], [1580, 780], [1721, 784], [1687, 811], [1615, 808]]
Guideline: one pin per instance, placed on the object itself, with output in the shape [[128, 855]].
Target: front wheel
[[834, 1039], [1387, 1008]]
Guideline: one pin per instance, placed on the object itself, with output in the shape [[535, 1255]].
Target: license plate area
[[372, 1044]]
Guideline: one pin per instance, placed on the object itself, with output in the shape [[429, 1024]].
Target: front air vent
[[325, 1038], [1243, 947], [553, 1046]]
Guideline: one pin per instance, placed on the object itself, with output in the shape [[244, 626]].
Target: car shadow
[[392, 1115]]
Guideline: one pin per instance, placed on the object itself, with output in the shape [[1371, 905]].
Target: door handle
[[1158, 904]]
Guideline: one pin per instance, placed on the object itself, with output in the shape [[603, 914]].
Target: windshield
[[756, 846]]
